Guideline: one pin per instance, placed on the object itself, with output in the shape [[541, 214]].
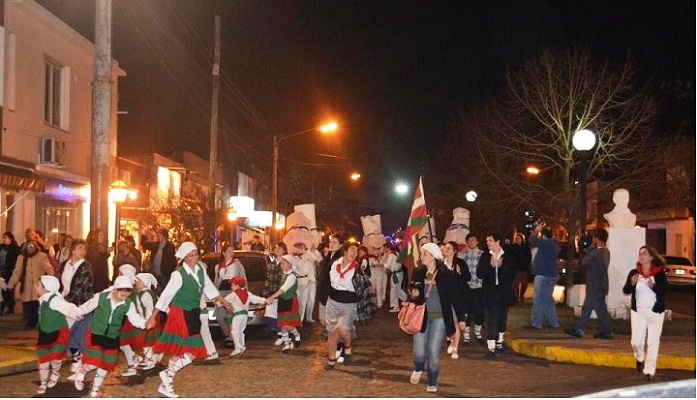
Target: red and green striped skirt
[[130, 335], [101, 351], [51, 345], [290, 317], [150, 336], [181, 335]]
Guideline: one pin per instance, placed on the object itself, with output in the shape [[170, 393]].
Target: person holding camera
[[544, 267]]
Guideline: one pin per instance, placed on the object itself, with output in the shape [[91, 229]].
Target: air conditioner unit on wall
[[52, 152]]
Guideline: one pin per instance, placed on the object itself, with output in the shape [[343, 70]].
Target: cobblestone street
[[381, 368]]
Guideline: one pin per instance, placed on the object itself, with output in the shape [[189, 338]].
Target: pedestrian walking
[[460, 275], [31, 265], [595, 264], [544, 267], [181, 335], [524, 260], [647, 284], [53, 331], [434, 286], [9, 251], [497, 270], [288, 307], [102, 338], [473, 293], [162, 259]]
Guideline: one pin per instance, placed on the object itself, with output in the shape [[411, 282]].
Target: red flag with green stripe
[[417, 220]]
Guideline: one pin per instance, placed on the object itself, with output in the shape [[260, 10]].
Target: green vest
[[50, 320], [292, 292], [141, 307], [188, 297], [105, 321]]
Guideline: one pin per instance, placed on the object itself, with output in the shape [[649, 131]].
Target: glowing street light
[[355, 176], [401, 188], [532, 170], [471, 196]]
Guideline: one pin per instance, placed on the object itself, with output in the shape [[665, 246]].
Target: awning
[[13, 178]]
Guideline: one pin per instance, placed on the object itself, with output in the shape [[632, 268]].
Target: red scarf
[[652, 271], [221, 267], [242, 294], [350, 267]]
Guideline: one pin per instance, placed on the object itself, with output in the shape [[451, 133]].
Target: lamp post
[[232, 217], [277, 139], [119, 192], [583, 141]]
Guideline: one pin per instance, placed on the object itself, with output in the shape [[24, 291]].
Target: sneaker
[[431, 389], [454, 356], [287, 347], [573, 332], [41, 389], [450, 349], [415, 377], [148, 364], [94, 394], [212, 356], [53, 379], [167, 390], [237, 352], [79, 384], [466, 340], [278, 341], [394, 310], [130, 371]]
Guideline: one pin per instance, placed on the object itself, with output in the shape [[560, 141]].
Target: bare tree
[[542, 106]]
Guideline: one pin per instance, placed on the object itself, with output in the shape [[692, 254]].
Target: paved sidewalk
[[677, 351]]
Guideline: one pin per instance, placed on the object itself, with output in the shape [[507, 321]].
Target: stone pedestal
[[624, 245]]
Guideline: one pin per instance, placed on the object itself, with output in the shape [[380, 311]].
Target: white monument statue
[[620, 216], [624, 243]]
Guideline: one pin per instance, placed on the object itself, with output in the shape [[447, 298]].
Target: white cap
[[123, 282], [148, 279], [50, 283], [185, 249], [434, 249], [128, 270], [290, 260]]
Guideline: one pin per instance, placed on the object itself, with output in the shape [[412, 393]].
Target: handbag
[[411, 316]]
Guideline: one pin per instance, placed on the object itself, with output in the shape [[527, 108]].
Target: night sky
[[394, 73]]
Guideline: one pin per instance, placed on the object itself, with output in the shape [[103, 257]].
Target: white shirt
[[236, 302], [146, 302], [230, 271], [645, 296], [337, 281], [307, 265], [69, 273], [175, 283], [290, 281], [496, 257], [133, 317], [59, 304], [390, 261]]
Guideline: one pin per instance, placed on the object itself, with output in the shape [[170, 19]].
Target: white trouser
[[306, 300], [379, 279], [239, 323], [206, 335], [396, 292], [646, 335]]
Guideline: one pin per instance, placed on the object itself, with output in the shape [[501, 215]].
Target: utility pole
[[214, 114], [101, 116]]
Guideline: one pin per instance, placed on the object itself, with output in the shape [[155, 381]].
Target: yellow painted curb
[[590, 357]]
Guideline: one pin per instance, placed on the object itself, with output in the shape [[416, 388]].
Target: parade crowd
[[155, 309]]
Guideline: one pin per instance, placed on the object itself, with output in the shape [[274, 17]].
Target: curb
[[590, 357], [16, 359]]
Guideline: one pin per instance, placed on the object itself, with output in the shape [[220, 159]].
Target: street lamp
[[277, 139], [401, 188], [119, 192], [232, 218], [355, 176], [583, 141], [471, 196]]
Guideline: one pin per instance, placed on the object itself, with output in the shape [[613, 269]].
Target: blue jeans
[[595, 301], [427, 348], [543, 302]]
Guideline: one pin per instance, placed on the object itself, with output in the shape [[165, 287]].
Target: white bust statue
[[621, 216]]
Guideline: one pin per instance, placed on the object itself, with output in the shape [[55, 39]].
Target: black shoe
[[603, 336], [640, 366], [573, 332], [481, 341], [489, 354]]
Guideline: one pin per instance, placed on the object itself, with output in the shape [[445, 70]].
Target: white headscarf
[[123, 282], [185, 249], [148, 279], [290, 260], [434, 250], [128, 270], [50, 283]]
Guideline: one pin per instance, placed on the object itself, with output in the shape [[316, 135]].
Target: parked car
[[679, 270], [255, 266]]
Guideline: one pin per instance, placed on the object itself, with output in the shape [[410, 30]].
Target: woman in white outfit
[[647, 284], [228, 268]]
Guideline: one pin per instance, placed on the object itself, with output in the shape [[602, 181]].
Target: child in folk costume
[[129, 335], [102, 337], [181, 336], [240, 298], [288, 307], [53, 330], [145, 285]]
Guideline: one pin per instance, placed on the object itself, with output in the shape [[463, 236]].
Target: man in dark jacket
[[544, 267], [595, 264], [162, 259]]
